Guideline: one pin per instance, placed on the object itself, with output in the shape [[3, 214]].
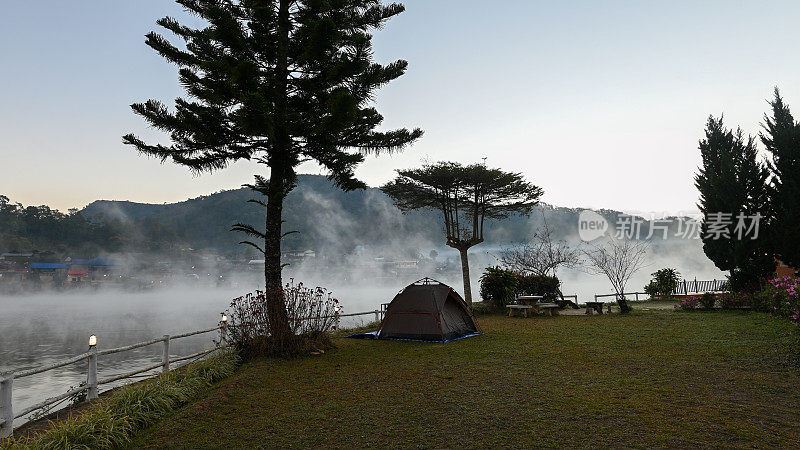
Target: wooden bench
[[550, 309], [594, 306], [524, 308]]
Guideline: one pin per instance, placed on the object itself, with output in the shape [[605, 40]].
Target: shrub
[[311, 313], [548, 287], [688, 303], [781, 297], [663, 283], [708, 300], [735, 300], [498, 286]]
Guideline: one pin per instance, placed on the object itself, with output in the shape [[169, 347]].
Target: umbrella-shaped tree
[[466, 197]]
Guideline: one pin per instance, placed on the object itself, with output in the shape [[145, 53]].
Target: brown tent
[[427, 311]]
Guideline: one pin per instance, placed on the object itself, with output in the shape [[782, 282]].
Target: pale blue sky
[[599, 102]]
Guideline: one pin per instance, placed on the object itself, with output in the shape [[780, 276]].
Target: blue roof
[[47, 266]]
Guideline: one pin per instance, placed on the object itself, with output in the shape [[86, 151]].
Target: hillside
[[326, 219]]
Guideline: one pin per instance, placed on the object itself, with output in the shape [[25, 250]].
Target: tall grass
[[131, 408]]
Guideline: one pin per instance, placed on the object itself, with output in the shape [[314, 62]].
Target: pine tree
[[781, 137], [732, 182], [466, 196], [278, 82]]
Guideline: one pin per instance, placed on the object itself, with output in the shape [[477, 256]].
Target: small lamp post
[[91, 377], [223, 330]]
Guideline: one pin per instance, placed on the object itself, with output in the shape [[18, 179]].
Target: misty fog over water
[[37, 329]]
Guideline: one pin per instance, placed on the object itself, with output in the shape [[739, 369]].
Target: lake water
[[40, 329]]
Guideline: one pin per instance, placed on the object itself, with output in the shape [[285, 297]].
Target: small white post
[[91, 377], [165, 357], [336, 319], [377, 316], [6, 409], [223, 333]]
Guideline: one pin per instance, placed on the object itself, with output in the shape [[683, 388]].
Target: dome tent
[[427, 310]]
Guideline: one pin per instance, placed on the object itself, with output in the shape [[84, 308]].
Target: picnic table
[[529, 299], [594, 306]]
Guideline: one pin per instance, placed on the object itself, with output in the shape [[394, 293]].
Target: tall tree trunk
[[276, 304], [624, 308], [465, 275]]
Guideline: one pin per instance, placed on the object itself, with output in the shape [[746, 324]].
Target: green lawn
[[653, 378]]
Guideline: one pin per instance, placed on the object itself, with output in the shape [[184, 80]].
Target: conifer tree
[[732, 183], [278, 82], [466, 197], [781, 137]]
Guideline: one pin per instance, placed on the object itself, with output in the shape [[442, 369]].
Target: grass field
[[653, 378]]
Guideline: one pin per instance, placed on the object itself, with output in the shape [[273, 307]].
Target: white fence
[[7, 413], [636, 298]]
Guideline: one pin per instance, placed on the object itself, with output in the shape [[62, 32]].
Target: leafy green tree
[[732, 185], [663, 283], [278, 82], [497, 287], [466, 197], [781, 137]]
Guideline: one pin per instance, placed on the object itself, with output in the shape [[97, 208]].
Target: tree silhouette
[[781, 137], [732, 184], [618, 260], [278, 82], [466, 196]]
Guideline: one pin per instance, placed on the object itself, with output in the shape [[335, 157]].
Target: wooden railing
[[7, 413], [686, 287], [625, 295]]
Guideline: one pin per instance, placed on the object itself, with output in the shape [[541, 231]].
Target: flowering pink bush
[[781, 297], [689, 303]]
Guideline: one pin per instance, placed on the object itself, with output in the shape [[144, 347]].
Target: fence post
[[377, 316], [223, 333], [165, 358], [6, 409], [91, 377], [336, 319], [637, 296]]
